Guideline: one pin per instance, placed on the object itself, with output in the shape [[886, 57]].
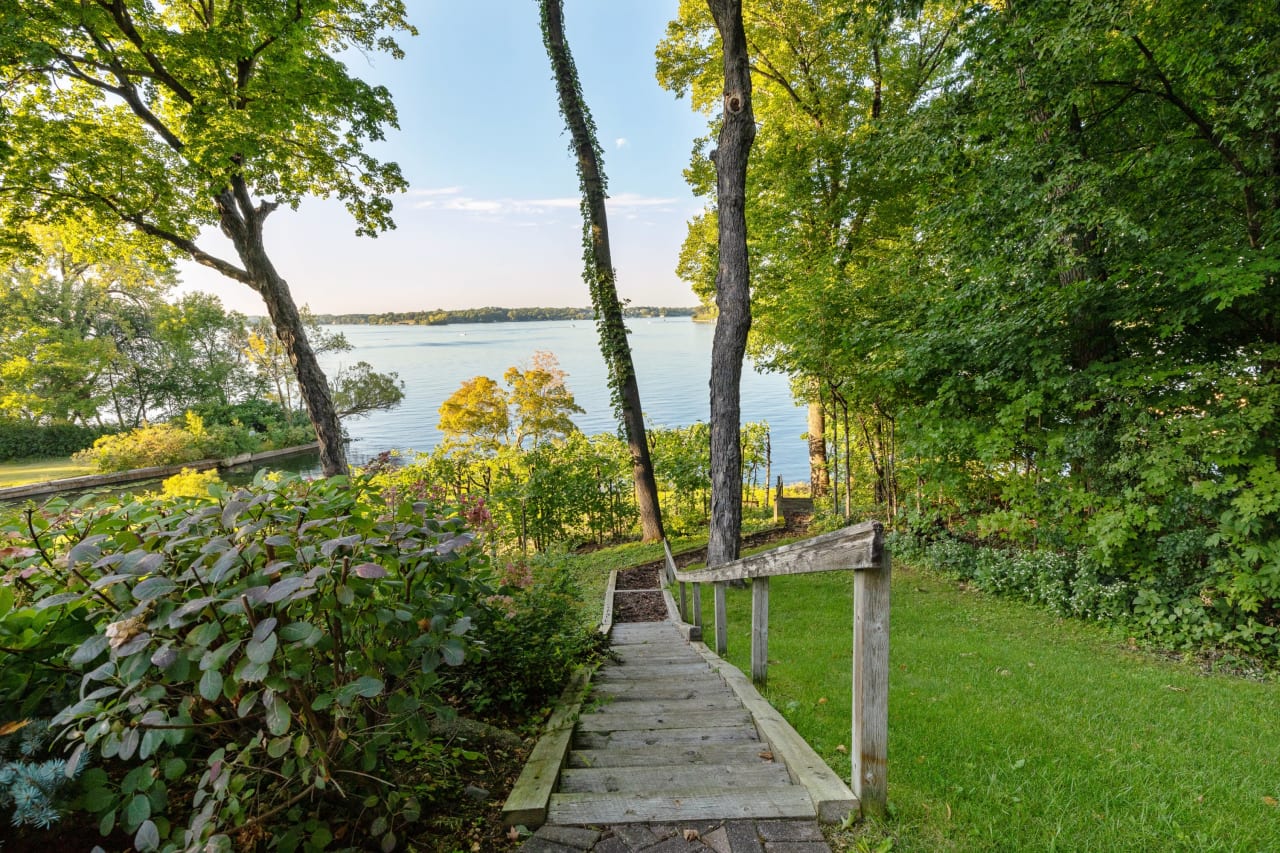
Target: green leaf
[[278, 719], [154, 587], [297, 631], [89, 649], [366, 686], [216, 658], [139, 810], [148, 836], [211, 685], [174, 768], [262, 652], [453, 651], [277, 747]]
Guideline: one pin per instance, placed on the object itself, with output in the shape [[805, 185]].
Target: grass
[[40, 470], [1013, 730]]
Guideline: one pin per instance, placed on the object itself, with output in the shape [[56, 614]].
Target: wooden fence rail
[[859, 548]]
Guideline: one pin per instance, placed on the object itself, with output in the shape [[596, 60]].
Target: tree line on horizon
[[491, 314]]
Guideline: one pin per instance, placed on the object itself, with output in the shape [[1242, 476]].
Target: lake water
[[673, 367]]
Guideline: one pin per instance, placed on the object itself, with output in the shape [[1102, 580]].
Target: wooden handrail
[[859, 548]]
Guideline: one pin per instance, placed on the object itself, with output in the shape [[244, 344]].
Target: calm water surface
[[673, 366]]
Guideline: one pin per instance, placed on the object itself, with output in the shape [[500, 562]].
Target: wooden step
[[664, 737], [684, 804], [661, 690], [744, 753], [626, 705], [619, 721], [637, 670], [651, 780]]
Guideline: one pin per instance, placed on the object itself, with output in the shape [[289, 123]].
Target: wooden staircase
[[663, 738]]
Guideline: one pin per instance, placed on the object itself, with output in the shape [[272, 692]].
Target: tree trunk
[[733, 290], [818, 482], [242, 223], [599, 272]]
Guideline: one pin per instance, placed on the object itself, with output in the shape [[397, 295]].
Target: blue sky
[[492, 214]]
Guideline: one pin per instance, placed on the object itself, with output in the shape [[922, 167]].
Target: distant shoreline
[[440, 317]]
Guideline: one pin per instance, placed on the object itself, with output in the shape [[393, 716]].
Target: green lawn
[[40, 470], [1013, 730]]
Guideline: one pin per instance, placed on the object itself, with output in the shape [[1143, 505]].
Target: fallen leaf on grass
[[1271, 801], [822, 701], [1175, 689], [842, 749]]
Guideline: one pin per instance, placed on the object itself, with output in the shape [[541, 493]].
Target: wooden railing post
[[871, 687], [722, 620], [759, 630], [684, 603], [697, 605]]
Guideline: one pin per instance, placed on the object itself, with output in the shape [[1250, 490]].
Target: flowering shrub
[[267, 647], [153, 444]]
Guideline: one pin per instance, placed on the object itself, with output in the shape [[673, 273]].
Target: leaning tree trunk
[[599, 269], [733, 293], [242, 222]]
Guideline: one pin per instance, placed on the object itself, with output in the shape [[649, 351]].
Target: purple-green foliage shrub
[[266, 647]]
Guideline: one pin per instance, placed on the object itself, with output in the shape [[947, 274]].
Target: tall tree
[[599, 272], [733, 285], [163, 118]]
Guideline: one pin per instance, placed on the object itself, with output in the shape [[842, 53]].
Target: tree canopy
[[158, 120]]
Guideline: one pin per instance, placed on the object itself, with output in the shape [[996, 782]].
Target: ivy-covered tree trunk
[[599, 272], [733, 292]]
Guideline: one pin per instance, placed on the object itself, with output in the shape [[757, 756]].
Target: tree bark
[[818, 481], [242, 222], [733, 291], [599, 273]]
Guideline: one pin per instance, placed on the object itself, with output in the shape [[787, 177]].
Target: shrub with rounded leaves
[[268, 647]]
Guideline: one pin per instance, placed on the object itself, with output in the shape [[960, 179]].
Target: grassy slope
[[1013, 730], [40, 470]]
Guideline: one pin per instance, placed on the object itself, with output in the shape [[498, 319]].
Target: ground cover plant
[[267, 666], [1014, 729]]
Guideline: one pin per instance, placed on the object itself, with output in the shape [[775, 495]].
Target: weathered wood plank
[[682, 805], [660, 737], [760, 630], [697, 605], [640, 670], [870, 744], [722, 619], [527, 803], [606, 620], [858, 547], [831, 797], [654, 779], [661, 690], [618, 720], [744, 754], [658, 707]]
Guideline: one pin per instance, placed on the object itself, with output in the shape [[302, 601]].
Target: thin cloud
[[621, 142], [453, 199]]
